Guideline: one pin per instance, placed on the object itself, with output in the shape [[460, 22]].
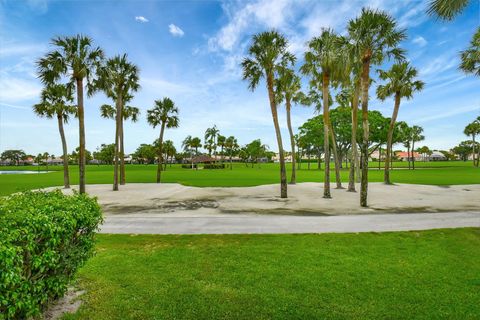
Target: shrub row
[[44, 238], [189, 166], [214, 166]]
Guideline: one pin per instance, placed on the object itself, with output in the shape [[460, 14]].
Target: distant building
[[437, 156], [406, 156]]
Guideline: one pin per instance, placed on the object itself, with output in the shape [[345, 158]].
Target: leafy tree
[[463, 150], [105, 153], [55, 99], [119, 78], [165, 115], [267, 55], [400, 84], [256, 150], [13, 155], [76, 58], [374, 35], [145, 154]]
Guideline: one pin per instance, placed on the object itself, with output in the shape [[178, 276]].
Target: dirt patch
[[67, 304], [162, 207]]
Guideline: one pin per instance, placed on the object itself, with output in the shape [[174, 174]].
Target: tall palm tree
[[119, 78], [221, 140], [446, 9], [187, 147], [76, 58], [267, 54], [288, 89], [54, 103], [415, 136], [374, 35], [471, 57], [473, 129], [211, 135], [325, 62], [129, 112], [165, 115], [401, 84], [231, 145]]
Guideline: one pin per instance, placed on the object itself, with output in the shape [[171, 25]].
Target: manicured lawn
[[401, 275], [436, 173]]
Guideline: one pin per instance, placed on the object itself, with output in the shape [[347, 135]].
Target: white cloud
[[14, 90], [141, 19], [419, 40], [175, 30]]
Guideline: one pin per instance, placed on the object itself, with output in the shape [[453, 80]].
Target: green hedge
[[189, 166], [44, 238], [214, 166]]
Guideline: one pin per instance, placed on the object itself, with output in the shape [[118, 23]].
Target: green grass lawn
[[435, 173], [398, 275]]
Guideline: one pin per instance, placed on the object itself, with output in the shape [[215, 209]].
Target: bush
[[214, 166], [189, 166], [44, 238]]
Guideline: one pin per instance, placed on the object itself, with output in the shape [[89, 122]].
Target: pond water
[[21, 172]]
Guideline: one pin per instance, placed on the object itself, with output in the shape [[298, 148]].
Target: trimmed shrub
[[44, 238], [214, 166], [189, 166]]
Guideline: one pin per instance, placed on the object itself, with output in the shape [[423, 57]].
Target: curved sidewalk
[[237, 224]]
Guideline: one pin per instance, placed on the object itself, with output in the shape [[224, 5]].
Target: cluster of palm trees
[[331, 61], [75, 65], [334, 61]]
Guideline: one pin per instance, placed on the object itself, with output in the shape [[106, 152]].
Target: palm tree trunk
[[388, 158], [160, 142], [122, 151], [413, 156], [473, 151], [354, 167], [293, 179], [273, 107], [66, 178], [326, 140], [364, 181], [117, 141], [231, 164], [81, 129], [336, 159]]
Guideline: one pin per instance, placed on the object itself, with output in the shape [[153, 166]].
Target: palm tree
[[221, 140], [164, 114], [187, 147], [211, 135], [129, 112], [77, 59], [118, 78], [401, 84], [446, 9], [471, 57], [374, 36], [267, 54], [288, 89], [415, 136], [231, 146], [54, 103], [473, 129], [326, 63]]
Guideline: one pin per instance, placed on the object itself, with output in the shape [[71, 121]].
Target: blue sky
[[190, 51]]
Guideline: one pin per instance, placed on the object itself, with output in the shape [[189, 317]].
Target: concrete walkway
[[236, 224]]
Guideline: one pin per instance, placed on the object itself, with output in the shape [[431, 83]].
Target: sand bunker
[[303, 199]]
